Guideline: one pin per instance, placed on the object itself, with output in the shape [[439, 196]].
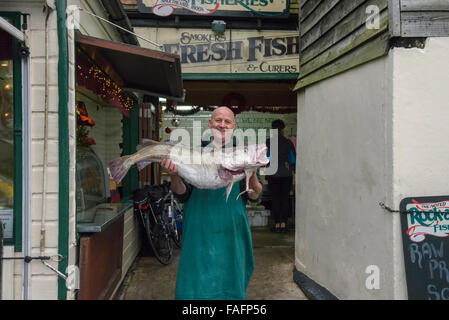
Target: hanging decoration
[[175, 122], [83, 141], [235, 109], [93, 78], [82, 115], [279, 110], [235, 101]]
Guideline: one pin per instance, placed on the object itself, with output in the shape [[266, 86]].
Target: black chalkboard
[[425, 238]]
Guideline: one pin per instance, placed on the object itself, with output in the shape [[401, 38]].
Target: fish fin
[[142, 164], [248, 174], [243, 192], [119, 167], [228, 190], [171, 143], [146, 143]]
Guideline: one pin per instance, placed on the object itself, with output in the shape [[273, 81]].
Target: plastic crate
[[258, 218]]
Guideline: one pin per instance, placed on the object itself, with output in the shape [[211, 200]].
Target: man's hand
[[255, 185], [171, 168]]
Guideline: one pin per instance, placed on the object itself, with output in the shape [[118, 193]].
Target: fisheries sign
[[235, 51], [216, 8], [425, 238]]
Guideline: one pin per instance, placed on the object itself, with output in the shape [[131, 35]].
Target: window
[[10, 134]]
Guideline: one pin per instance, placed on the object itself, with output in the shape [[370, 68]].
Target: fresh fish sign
[[425, 236]]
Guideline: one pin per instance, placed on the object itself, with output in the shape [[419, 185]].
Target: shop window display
[[6, 132], [98, 141]]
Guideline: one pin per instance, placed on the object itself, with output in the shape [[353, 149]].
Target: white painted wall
[[420, 133], [421, 104], [342, 174], [373, 134]]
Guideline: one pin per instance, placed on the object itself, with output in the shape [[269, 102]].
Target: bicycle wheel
[[177, 226], [160, 241]]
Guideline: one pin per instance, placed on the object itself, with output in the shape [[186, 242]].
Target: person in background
[[280, 183], [216, 257]]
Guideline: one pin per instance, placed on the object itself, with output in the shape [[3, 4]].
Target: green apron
[[217, 256]]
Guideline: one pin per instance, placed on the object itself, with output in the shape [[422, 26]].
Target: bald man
[[216, 258]]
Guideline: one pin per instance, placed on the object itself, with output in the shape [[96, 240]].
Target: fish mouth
[[236, 172]]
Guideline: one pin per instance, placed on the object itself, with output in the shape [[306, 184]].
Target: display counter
[[101, 251], [103, 215]]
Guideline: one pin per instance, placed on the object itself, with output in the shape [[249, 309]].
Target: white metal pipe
[[45, 155], [26, 172], [8, 27]]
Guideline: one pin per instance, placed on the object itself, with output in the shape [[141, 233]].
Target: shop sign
[[216, 8], [425, 235], [234, 51]]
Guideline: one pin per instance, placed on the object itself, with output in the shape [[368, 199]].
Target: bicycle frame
[[161, 228]]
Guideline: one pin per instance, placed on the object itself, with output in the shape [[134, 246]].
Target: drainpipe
[[26, 162]]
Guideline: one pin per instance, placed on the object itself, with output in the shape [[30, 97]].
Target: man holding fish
[[217, 258]]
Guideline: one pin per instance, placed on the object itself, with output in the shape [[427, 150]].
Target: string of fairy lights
[[105, 87]]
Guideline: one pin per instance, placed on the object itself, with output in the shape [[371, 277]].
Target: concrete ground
[[272, 279]]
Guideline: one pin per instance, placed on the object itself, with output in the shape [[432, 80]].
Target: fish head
[[252, 156]]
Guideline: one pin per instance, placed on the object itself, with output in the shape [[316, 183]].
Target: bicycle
[[161, 218]]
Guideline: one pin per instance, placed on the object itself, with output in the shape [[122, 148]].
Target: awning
[[136, 69]]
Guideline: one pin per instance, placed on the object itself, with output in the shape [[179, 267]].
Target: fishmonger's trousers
[[279, 188]]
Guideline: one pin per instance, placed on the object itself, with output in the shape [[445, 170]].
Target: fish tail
[[119, 168]]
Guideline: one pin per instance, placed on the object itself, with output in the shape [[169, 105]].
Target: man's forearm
[[177, 185], [255, 185]]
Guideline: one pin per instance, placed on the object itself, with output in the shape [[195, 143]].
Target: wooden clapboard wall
[[337, 35], [421, 18]]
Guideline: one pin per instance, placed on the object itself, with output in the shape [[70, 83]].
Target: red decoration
[[83, 116], [167, 130], [90, 140]]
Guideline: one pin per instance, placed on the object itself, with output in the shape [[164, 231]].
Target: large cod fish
[[204, 168]]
